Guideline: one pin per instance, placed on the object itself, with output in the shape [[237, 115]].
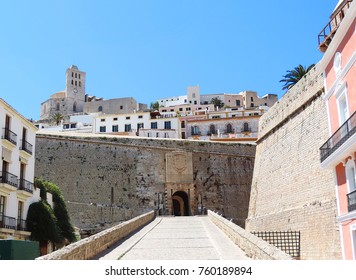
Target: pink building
[[338, 42]]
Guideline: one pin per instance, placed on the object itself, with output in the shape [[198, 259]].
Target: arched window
[[246, 127], [229, 128], [75, 74], [100, 109], [75, 107], [57, 106], [75, 82], [212, 129], [80, 83]]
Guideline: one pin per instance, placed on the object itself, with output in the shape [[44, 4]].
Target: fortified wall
[[290, 192], [105, 180]]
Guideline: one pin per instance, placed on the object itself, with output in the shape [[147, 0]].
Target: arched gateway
[[179, 187]]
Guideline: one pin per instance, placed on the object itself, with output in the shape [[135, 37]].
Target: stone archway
[[180, 203]]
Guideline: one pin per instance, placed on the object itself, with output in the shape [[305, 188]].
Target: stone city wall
[[254, 247], [289, 190], [89, 247], [105, 180]]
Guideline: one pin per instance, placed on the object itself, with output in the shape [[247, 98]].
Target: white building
[[17, 172], [145, 124]]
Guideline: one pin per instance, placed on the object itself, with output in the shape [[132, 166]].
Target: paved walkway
[[176, 238]]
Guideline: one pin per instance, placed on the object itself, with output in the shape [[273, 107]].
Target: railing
[[25, 186], [10, 136], [8, 178], [351, 200], [7, 222], [196, 133], [246, 129], [346, 130], [21, 225], [327, 32], [27, 147]]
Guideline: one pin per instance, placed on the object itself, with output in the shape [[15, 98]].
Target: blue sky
[[155, 48]]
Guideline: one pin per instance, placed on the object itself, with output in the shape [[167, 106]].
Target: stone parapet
[[254, 247], [91, 246]]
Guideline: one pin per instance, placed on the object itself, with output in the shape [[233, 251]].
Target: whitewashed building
[[17, 191]]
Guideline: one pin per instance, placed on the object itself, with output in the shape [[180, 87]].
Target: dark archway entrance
[[180, 204]]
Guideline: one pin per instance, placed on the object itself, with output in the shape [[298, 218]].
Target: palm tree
[[293, 76], [57, 118]]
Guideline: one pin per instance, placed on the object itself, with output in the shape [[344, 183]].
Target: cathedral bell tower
[[75, 89]]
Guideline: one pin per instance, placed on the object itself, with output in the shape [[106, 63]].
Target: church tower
[[75, 90]]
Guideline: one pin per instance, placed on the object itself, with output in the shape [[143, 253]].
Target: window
[[195, 102], [74, 107], [157, 134], [72, 74], [115, 128], [182, 125], [72, 82], [140, 117], [167, 125], [79, 76], [76, 75], [252, 105], [246, 128], [75, 82], [195, 130], [238, 103], [103, 129], [193, 95], [127, 118], [341, 99], [251, 98], [228, 128], [164, 110], [100, 108], [115, 119], [139, 125], [127, 127], [2, 208], [73, 125], [80, 83], [102, 120], [121, 107], [20, 211], [350, 175], [153, 125], [180, 109], [166, 135], [57, 106], [216, 117], [187, 109], [212, 129]]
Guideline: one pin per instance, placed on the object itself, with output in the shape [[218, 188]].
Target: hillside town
[[283, 171]]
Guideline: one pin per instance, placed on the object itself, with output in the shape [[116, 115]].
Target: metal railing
[[25, 185], [21, 225], [27, 147], [351, 201], [345, 131], [7, 222], [247, 129], [329, 30], [9, 178], [10, 136]]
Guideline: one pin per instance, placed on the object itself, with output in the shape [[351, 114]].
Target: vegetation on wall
[[43, 217]]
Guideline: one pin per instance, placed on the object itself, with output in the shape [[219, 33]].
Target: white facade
[[18, 137]]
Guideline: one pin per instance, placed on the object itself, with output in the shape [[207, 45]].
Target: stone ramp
[[176, 238]]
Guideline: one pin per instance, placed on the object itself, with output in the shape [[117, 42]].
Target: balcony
[[10, 136], [246, 129], [346, 130], [351, 201], [7, 222], [27, 147], [8, 178], [21, 225], [327, 33], [25, 186]]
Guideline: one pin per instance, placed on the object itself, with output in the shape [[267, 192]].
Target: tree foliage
[[293, 76], [154, 105], [57, 118], [217, 102], [42, 223], [62, 220]]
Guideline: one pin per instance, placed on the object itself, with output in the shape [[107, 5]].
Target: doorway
[[180, 204]]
